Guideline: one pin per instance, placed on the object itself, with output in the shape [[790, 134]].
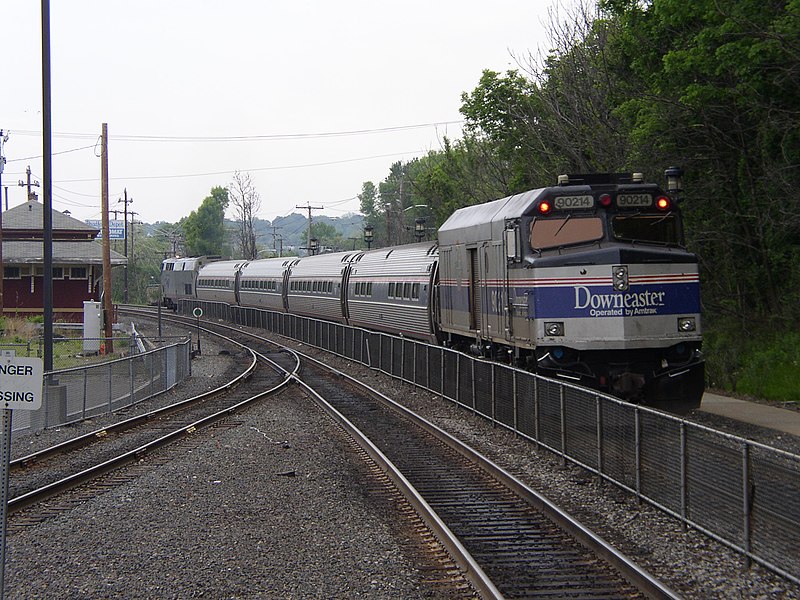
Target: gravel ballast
[[275, 506]]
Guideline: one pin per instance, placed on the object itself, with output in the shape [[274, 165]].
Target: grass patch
[[765, 367]]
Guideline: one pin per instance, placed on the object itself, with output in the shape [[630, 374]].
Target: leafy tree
[[204, 229], [327, 236], [720, 96]]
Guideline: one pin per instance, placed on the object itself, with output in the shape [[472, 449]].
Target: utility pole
[[275, 237], [47, 189], [309, 208], [133, 251], [30, 184], [125, 233], [107, 306], [3, 139]]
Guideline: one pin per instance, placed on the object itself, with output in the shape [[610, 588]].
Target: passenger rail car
[[393, 290], [219, 281], [316, 286], [263, 283], [587, 281]]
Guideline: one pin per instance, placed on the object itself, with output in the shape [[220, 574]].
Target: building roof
[[29, 216], [64, 252]]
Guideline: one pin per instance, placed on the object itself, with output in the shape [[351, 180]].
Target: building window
[[11, 273], [77, 273]]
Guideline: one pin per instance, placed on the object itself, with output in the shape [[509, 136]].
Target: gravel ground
[[273, 506], [689, 562], [227, 520]]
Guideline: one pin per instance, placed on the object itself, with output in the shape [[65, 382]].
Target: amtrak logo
[[618, 305]]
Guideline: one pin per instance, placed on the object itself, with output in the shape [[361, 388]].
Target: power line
[[240, 138], [54, 153], [285, 167]]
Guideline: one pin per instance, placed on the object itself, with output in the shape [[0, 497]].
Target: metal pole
[[599, 419], [562, 403], [683, 478], [198, 336], [638, 443], [746, 504], [125, 233], [5, 459], [47, 183]]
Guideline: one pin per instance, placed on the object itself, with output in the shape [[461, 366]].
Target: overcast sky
[[312, 98]]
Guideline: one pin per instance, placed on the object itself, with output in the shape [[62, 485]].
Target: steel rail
[[88, 438], [632, 572], [39, 495]]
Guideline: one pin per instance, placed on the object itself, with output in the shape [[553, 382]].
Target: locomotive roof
[[485, 221]]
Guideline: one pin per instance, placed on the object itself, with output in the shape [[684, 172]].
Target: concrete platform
[[780, 419]]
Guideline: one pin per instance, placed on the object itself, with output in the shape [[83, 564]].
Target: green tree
[[204, 229], [719, 95]]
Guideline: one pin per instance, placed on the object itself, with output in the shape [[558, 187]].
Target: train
[[587, 281]]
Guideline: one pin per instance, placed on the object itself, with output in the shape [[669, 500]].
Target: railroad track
[[93, 460], [508, 540]]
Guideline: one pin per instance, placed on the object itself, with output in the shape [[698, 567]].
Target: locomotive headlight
[[687, 324], [554, 328]]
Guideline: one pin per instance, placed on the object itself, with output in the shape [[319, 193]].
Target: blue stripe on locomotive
[[600, 301]]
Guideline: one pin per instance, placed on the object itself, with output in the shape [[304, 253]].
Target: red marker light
[[605, 200], [544, 208], [663, 203]]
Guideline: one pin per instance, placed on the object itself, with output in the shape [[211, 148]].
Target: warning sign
[[21, 382]]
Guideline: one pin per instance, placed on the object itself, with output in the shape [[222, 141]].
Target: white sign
[[573, 202], [21, 382], [116, 228], [634, 200]]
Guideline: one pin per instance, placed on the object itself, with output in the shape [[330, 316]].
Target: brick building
[[77, 263]]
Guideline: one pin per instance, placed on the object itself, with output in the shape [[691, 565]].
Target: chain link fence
[[104, 383], [743, 494]]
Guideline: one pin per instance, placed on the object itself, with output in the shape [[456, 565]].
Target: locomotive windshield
[[659, 229], [552, 233]]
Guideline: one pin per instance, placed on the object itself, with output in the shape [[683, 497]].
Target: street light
[[674, 177], [419, 228], [369, 234]]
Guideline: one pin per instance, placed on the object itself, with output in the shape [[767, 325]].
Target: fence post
[[472, 373], [683, 476], [746, 504], [402, 356], [494, 397], [599, 419], [458, 380], [536, 411], [515, 404], [85, 391], [130, 375], [110, 389], [562, 403], [637, 428]]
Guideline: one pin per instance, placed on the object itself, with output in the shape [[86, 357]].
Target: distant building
[[77, 263]]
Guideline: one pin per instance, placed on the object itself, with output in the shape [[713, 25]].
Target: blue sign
[[603, 301], [116, 229]]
